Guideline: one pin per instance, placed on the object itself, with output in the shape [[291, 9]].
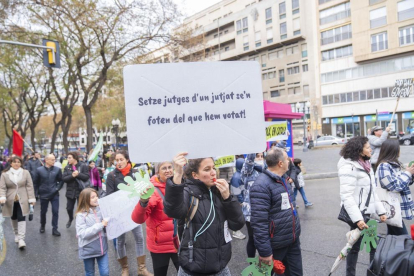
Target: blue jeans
[[44, 204], [302, 192], [103, 265]]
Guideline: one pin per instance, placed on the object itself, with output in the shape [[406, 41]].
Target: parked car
[[407, 139], [329, 140]]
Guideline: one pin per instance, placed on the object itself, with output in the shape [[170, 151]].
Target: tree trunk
[[32, 137], [65, 131], [54, 135], [89, 130]]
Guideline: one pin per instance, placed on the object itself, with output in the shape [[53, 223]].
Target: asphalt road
[[323, 236], [325, 160]]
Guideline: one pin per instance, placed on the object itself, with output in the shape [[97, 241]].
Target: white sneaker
[[16, 239], [238, 235], [22, 244]]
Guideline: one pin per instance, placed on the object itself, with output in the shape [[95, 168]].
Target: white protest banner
[[203, 108], [118, 207], [225, 161], [402, 88], [276, 131]]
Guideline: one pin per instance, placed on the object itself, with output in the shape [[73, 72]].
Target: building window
[[283, 30], [305, 68], [289, 51], [272, 56], [269, 35], [264, 76], [335, 13], [257, 37], [245, 25], [227, 48], [370, 94], [378, 17], [239, 26], [372, 2], [405, 10], [83, 140], [306, 90], [282, 9], [294, 90], [337, 53], [282, 75], [296, 26], [264, 58], [293, 70], [406, 35], [275, 93], [269, 16], [296, 32], [304, 50], [379, 42], [323, 1], [280, 54], [271, 75], [295, 6], [246, 42], [337, 34]]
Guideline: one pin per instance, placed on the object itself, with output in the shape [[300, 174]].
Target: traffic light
[[51, 57]]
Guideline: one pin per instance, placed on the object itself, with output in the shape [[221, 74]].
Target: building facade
[[365, 46]]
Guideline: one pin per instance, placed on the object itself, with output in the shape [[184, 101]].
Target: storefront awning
[[278, 110]]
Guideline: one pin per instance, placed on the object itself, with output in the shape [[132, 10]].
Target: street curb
[[320, 175]]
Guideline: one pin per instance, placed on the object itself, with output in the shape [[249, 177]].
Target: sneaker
[[42, 229], [55, 232], [309, 204], [238, 235]]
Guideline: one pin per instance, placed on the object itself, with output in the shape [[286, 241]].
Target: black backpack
[[394, 256]]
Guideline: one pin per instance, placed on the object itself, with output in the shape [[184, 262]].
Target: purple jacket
[[95, 178]]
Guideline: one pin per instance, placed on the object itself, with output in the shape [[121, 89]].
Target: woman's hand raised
[[179, 162]]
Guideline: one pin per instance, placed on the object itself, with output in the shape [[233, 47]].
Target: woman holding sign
[[160, 228], [123, 169], [208, 210]]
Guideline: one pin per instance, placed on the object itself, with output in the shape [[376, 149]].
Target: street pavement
[[323, 236], [317, 161]]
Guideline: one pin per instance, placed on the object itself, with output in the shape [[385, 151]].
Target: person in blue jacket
[[237, 189], [274, 219]]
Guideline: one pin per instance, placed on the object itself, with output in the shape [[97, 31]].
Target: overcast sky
[[190, 7]]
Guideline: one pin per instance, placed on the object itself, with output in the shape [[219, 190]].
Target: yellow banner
[[224, 161], [277, 132]]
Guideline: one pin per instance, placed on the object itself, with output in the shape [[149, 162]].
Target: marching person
[[123, 169], [205, 244], [356, 179], [160, 228], [237, 189], [74, 170], [377, 137], [92, 241], [31, 165], [392, 177], [17, 193], [274, 219], [48, 178], [94, 176]]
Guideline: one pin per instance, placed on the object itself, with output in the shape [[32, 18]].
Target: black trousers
[[70, 206], [291, 257], [352, 258], [44, 204], [250, 248], [17, 212], [161, 261], [396, 231]]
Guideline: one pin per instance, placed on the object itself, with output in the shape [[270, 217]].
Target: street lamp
[[115, 125], [302, 108]]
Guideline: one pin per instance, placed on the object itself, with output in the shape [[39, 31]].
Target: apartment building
[[279, 34], [365, 46]]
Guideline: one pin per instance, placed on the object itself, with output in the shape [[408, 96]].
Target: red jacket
[[160, 227]]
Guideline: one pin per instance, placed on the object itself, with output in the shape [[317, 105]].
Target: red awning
[[278, 110]]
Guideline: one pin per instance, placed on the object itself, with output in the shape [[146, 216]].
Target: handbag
[[391, 202], [83, 184], [344, 216]]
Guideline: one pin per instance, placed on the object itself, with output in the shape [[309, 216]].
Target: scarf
[[365, 164], [15, 175], [125, 170]]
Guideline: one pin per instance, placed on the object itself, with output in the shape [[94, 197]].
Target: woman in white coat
[[357, 180]]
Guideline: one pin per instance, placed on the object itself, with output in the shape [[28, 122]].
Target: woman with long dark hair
[[205, 244], [17, 193], [122, 170], [357, 186], [392, 177]]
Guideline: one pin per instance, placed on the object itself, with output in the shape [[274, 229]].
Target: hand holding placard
[[138, 186]]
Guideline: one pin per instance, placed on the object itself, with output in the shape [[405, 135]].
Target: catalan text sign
[[225, 161], [402, 88], [118, 208], [205, 109], [276, 131]]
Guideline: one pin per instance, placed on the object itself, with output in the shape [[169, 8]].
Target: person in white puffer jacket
[[356, 178]]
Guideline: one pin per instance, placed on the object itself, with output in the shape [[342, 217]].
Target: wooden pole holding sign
[[402, 88]]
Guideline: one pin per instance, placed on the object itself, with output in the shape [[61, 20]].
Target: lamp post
[[115, 125], [1, 151], [301, 108]]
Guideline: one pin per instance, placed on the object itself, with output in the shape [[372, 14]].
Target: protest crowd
[[191, 211]]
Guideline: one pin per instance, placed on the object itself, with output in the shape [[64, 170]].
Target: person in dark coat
[[205, 244], [48, 178], [274, 219], [74, 170], [31, 165]]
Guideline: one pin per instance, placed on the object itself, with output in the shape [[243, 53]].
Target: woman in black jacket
[[205, 244], [73, 170]]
